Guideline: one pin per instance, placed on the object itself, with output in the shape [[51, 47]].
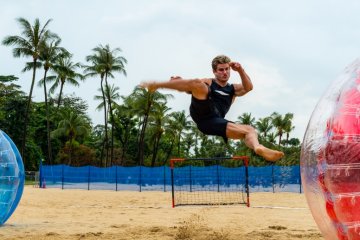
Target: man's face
[[222, 72]]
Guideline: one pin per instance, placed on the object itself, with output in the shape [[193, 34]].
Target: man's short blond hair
[[221, 59]]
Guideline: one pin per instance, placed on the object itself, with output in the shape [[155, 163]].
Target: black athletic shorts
[[213, 126]]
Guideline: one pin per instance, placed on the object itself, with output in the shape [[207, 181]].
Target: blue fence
[[261, 179]]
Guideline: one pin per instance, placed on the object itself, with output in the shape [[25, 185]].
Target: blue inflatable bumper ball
[[12, 177]]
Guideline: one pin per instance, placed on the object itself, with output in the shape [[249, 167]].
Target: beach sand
[[80, 214]]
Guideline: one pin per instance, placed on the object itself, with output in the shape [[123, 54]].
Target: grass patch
[[30, 182]]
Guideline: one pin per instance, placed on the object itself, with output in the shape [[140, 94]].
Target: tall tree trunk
[[47, 120], [155, 149], [112, 139], [102, 153], [122, 154], [60, 93], [124, 143], [138, 136], [71, 149], [142, 134], [112, 118], [287, 138], [107, 116], [141, 141], [23, 145], [125, 147], [280, 135], [112, 129], [105, 122]]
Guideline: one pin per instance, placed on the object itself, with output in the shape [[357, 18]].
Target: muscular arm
[[246, 84], [196, 87]]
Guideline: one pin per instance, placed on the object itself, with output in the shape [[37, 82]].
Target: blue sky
[[292, 50]]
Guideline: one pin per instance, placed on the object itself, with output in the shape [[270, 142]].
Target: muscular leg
[[249, 135], [196, 87]]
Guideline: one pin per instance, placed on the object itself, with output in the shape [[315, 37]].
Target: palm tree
[[264, 126], [103, 105], [93, 70], [105, 62], [196, 134], [181, 124], [48, 55], [170, 134], [189, 141], [125, 123], [29, 45], [112, 93], [65, 71], [157, 122], [271, 138], [142, 103], [246, 119], [111, 62], [72, 126], [289, 127], [280, 123]]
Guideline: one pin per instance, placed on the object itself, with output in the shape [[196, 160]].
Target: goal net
[[210, 181]]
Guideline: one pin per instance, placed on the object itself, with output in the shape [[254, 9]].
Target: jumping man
[[211, 100]]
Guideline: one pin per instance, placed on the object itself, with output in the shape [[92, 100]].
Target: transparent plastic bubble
[[330, 158], [11, 177]]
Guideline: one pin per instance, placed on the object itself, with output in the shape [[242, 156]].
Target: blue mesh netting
[[204, 177], [274, 179], [261, 179]]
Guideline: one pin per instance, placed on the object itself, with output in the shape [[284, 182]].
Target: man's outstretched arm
[[246, 84], [196, 87]]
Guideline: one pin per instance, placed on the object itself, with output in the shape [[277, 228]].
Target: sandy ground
[[80, 214]]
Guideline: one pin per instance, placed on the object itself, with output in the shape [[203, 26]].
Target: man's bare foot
[[150, 86], [268, 154]]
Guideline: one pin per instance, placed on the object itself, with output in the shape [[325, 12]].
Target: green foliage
[[80, 155], [169, 134], [8, 78], [33, 155], [292, 156]]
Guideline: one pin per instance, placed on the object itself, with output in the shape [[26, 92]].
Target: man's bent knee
[[199, 89], [250, 129], [238, 131]]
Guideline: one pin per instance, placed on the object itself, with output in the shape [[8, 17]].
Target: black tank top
[[217, 104]]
